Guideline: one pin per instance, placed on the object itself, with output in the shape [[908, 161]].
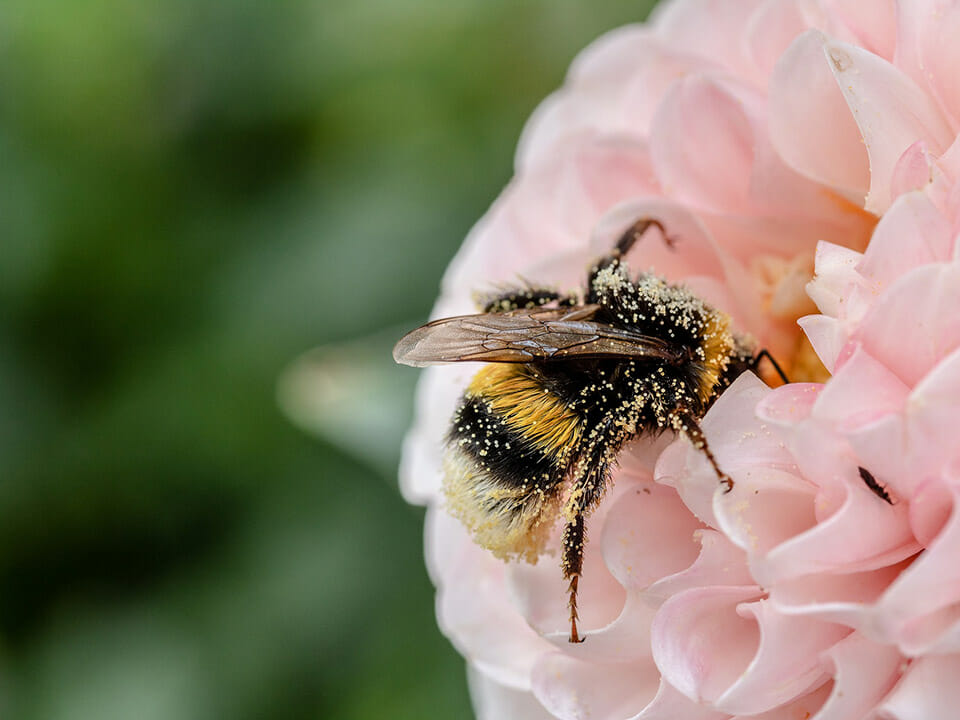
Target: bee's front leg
[[684, 421], [627, 241]]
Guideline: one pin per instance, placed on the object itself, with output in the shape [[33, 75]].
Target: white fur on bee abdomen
[[511, 522]]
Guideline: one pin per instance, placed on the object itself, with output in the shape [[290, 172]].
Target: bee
[[570, 380]]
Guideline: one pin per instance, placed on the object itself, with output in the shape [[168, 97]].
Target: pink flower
[[766, 136]]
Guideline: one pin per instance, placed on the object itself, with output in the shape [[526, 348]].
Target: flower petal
[[863, 673], [720, 562], [649, 516], [928, 689], [786, 664], [572, 689], [701, 644], [701, 134], [927, 52], [704, 27], [891, 112], [669, 704], [495, 701], [917, 312], [474, 608], [912, 233], [810, 122]]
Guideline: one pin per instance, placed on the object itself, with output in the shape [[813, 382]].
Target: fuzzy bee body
[[570, 381]]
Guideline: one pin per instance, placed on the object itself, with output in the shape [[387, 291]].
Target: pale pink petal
[[935, 634], [929, 585], [695, 629], [474, 607], [789, 404], [572, 689], [669, 704], [547, 210], [917, 312], [613, 89], [827, 336], [843, 598], [912, 233], [787, 233], [836, 276], [637, 68], [595, 178], [626, 639], [706, 27], [930, 507], [701, 134], [863, 533], [810, 123], [720, 562], [649, 516], [933, 416], [928, 690], [863, 672], [701, 644], [915, 170], [613, 58], [891, 112], [769, 32], [803, 707], [494, 701], [863, 391], [927, 51], [787, 661], [765, 508], [738, 446], [873, 24]]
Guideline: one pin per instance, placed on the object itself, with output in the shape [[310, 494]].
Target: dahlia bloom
[[774, 139]]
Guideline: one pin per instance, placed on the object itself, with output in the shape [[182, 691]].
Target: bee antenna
[[776, 366]]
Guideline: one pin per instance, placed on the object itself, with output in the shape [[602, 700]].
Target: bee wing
[[524, 336]]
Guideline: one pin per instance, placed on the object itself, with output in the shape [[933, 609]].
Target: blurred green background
[[193, 193]]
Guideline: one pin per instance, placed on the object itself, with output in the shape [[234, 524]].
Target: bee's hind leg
[[683, 421], [591, 477], [573, 540]]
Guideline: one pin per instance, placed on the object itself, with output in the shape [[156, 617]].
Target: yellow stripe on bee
[[718, 344], [527, 407]]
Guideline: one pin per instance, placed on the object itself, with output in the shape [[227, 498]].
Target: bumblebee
[[571, 379]]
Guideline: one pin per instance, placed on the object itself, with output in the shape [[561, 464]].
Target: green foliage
[[193, 193]]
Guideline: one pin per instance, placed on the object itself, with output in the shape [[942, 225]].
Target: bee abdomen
[[504, 464]]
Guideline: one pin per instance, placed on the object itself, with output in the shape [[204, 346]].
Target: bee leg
[[591, 477], [635, 232], [514, 298], [627, 241], [776, 366], [573, 540], [686, 422]]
